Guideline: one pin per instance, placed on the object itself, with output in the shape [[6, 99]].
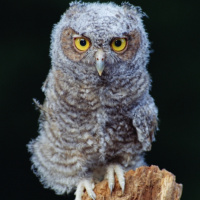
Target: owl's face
[[101, 37], [99, 51]]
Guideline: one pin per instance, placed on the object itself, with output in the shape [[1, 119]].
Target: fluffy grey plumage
[[92, 124]]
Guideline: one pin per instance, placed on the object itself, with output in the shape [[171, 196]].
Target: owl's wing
[[144, 119]]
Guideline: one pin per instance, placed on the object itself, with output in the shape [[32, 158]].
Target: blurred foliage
[[173, 28]]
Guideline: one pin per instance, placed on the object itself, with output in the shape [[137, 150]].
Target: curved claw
[[85, 184], [120, 175], [111, 178]]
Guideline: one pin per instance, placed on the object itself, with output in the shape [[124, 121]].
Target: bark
[[145, 183]]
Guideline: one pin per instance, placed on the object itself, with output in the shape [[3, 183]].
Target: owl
[[98, 118]]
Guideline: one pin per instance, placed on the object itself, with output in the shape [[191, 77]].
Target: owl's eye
[[119, 44], [81, 43]]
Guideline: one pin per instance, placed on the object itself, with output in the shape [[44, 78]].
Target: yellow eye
[[82, 43], [119, 44]]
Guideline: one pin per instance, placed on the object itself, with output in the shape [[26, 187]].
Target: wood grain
[[145, 183]]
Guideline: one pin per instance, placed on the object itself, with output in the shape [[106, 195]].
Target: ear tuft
[[75, 4], [134, 10], [74, 7]]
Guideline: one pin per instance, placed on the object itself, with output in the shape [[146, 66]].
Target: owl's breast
[[90, 118]]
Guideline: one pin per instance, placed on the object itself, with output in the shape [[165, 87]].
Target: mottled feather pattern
[[89, 122]]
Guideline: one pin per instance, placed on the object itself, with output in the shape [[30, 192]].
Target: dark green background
[[174, 29]]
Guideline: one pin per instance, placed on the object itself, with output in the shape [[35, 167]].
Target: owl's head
[[100, 38]]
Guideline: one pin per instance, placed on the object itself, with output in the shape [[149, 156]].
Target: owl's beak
[[100, 57]]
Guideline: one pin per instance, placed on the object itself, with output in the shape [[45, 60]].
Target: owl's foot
[[115, 169], [85, 184]]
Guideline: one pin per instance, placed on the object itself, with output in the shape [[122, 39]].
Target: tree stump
[[145, 183]]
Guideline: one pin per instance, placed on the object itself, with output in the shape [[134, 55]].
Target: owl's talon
[[92, 195], [85, 184], [111, 186], [122, 185], [120, 175], [111, 178]]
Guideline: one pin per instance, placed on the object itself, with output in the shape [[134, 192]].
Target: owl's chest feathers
[[94, 103], [108, 100], [94, 115]]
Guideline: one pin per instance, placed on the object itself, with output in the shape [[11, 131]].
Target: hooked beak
[[100, 58]]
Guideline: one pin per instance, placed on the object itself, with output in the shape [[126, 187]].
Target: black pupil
[[83, 42], [118, 43]]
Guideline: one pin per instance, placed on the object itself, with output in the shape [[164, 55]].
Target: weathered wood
[[145, 183]]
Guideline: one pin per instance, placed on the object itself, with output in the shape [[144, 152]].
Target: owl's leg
[[110, 175], [85, 184]]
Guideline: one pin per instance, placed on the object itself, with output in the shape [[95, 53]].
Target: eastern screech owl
[[98, 117]]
